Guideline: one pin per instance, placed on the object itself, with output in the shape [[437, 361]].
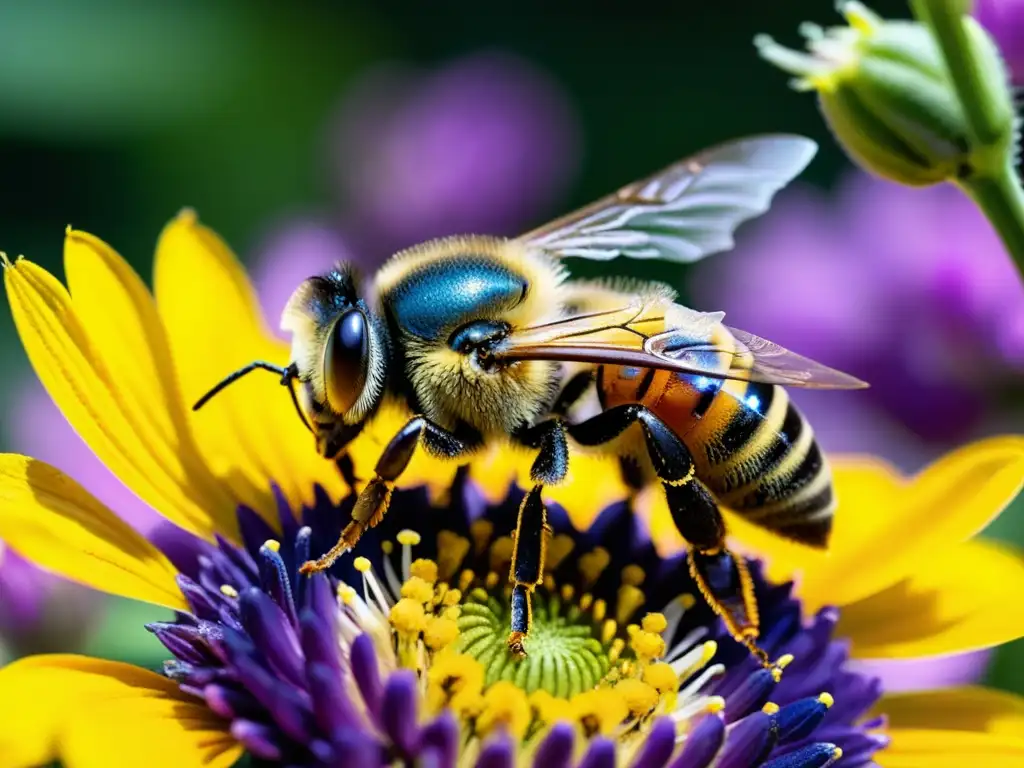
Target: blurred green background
[[115, 115]]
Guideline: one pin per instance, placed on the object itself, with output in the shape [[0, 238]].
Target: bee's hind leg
[[723, 579], [373, 501]]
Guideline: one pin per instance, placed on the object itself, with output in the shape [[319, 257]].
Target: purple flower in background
[[908, 289], [485, 145], [1004, 19]]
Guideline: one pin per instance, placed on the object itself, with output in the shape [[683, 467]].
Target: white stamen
[[684, 645], [702, 679], [391, 577]]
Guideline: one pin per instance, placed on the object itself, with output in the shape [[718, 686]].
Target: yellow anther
[[599, 711], [361, 564], [633, 575], [586, 601], [710, 649], [826, 699], [346, 594], [687, 601], [408, 538], [630, 598], [559, 548], [770, 708], [492, 580], [632, 629], [424, 569], [501, 553], [455, 680], [714, 704], [407, 616], [451, 551], [618, 646], [608, 630], [647, 645], [481, 531], [567, 593], [228, 591], [661, 677], [548, 708], [593, 563], [452, 597], [419, 590], [440, 632], [782, 662], [654, 622], [600, 610], [505, 706], [273, 545], [4, 261], [465, 579], [549, 582], [837, 753], [639, 697], [452, 613], [387, 547]]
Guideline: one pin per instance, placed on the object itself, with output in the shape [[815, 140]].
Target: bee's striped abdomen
[[757, 454]]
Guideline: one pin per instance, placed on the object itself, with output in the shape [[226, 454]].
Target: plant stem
[[1001, 199], [945, 18]]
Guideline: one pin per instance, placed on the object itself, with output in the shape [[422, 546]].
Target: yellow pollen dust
[[228, 591], [346, 594], [273, 545], [647, 645], [419, 590], [770, 708], [455, 680], [714, 704], [505, 706], [452, 597], [599, 711], [639, 697], [781, 663], [408, 538], [452, 612], [361, 564], [440, 632], [407, 616], [826, 699], [661, 677], [654, 622], [424, 569]]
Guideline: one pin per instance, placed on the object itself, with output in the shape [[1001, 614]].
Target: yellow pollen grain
[[714, 704], [826, 698], [492, 580], [654, 622], [408, 538], [407, 616], [639, 697], [687, 601], [346, 594], [452, 597], [452, 613], [387, 547], [599, 711], [600, 610], [647, 645], [770, 708], [608, 630], [481, 531], [618, 646], [633, 575], [425, 569], [273, 545], [661, 677], [505, 706], [417, 589], [586, 601], [361, 564], [228, 591], [465, 579], [837, 753], [567, 592], [440, 632], [783, 662], [454, 679], [593, 563]]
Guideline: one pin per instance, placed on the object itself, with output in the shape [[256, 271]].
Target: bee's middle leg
[[721, 577], [373, 501]]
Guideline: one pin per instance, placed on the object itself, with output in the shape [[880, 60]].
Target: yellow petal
[[953, 728], [51, 520], [83, 374], [249, 434], [42, 697], [960, 600], [885, 530]]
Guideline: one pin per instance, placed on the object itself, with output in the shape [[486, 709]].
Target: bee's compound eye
[[346, 358]]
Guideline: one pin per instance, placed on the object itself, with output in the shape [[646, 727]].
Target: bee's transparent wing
[[754, 359], [684, 212]]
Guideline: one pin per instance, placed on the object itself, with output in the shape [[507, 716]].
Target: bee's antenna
[[286, 373], [295, 398]]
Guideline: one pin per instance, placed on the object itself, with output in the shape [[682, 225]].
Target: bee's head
[[339, 346]]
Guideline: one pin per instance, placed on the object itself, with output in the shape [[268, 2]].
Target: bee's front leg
[[373, 501]]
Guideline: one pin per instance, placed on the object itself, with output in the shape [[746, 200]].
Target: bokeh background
[[306, 132]]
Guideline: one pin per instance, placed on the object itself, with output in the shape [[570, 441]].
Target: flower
[[887, 94], [915, 296], [1004, 20], [339, 668]]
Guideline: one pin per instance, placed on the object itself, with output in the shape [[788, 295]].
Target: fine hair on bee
[[483, 339]]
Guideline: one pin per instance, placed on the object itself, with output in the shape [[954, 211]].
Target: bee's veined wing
[[684, 212], [753, 359]]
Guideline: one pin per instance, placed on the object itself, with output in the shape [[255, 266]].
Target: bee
[[488, 339]]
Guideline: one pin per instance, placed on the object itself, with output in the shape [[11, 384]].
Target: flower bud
[[885, 92]]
